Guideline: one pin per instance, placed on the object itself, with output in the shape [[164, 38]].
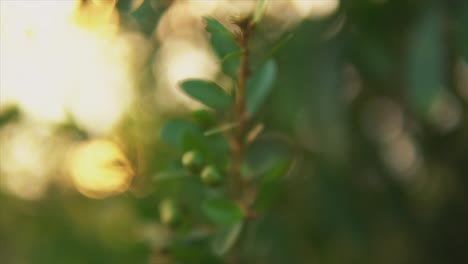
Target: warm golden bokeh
[[62, 59], [25, 156], [59, 57], [315, 9], [99, 168]]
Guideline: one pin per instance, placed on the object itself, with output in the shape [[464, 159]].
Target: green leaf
[[231, 67], [270, 184], [265, 151], [259, 11], [232, 55], [259, 86], [173, 131], [222, 211], [9, 114], [278, 47], [426, 62], [218, 146], [222, 40], [204, 117], [192, 141], [171, 175], [224, 45], [225, 238], [208, 93], [462, 31]]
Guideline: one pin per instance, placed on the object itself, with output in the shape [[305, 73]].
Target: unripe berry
[[210, 176], [168, 212], [193, 160]]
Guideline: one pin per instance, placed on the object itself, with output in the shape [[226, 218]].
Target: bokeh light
[[382, 119], [25, 160], [179, 60], [315, 8], [99, 168], [59, 57], [367, 111]]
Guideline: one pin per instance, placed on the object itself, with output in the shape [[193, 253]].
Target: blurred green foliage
[[346, 195]]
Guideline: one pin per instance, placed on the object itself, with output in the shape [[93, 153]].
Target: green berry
[[193, 160], [210, 176], [168, 212]]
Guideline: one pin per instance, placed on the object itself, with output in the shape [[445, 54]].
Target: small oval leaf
[[208, 93], [222, 211], [222, 40], [224, 45]]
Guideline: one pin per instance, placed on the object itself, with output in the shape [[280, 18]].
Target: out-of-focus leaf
[[204, 117], [270, 184], [171, 174], [129, 5], [259, 86], [193, 249], [263, 153], [462, 30], [225, 238], [218, 145], [222, 211], [71, 128], [224, 44], [208, 93], [278, 47], [426, 61], [146, 14], [192, 141], [173, 131], [222, 40], [9, 114], [259, 11], [232, 55]]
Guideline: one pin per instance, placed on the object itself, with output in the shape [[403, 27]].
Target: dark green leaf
[[171, 175], [426, 61], [9, 114], [224, 45], [208, 93], [222, 211], [204, 117], [218, 146], [192, 141], [462, 31], [232, 55], [270, 185], [231, 67], [259, 86], [222, 40], [225, 238], [278, 47], [173, 131], [264, 153]]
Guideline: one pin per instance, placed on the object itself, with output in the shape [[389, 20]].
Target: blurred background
[[372, 95]]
